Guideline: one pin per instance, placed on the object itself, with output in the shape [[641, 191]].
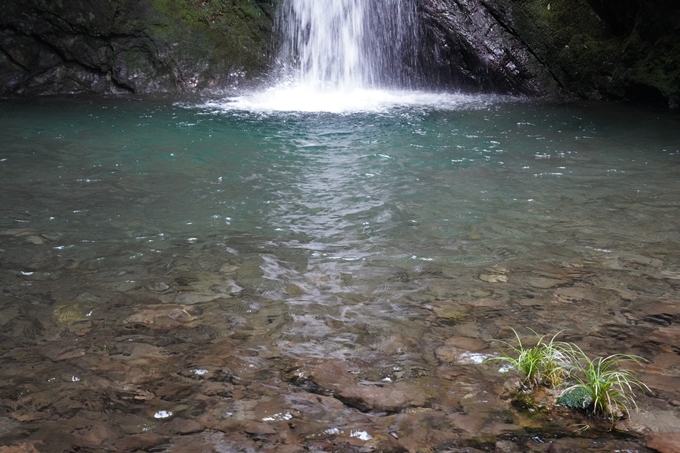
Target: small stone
[[58, 353], [485, 302], [493, 278], [294, 290], [183, 426], [23, 447], [159, 287], [383, 398], [162, 317], [466, 343], [544, 283], [87, 297], [193, 298], [229, 269], [252, 427], [505, 446], [529, 302], [37, 240], [447, 354], [451, 312], [574, 293], [138, 442]]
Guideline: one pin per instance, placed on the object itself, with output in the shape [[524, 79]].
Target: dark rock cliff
[[592, 49], [131, 46]]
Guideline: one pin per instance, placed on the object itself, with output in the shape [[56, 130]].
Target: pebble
[[544, 283], [138, 442], [493, 278]]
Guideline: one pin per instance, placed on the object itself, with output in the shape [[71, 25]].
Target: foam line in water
[[303, 99]]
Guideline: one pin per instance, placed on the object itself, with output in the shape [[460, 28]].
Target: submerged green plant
[[602, 384], [544, 363]]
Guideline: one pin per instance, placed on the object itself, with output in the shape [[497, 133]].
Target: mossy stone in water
[[576, 399]]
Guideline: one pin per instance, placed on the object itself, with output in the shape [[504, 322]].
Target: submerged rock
[[383, 397], [161, 317]]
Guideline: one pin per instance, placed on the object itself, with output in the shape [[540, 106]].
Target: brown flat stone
[[544, 283], [183, 426], [467, 343], [23, 447], [331, 376], [383, 398], [138, 442], [574, 293], [664, 442], [448, 354], [252, 427]]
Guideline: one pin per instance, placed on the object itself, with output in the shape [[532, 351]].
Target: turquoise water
[[299, 236]]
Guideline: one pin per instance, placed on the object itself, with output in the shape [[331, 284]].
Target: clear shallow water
[[235, 265]]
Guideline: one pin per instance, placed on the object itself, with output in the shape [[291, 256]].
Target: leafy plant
[[543, 363], [601, 381]]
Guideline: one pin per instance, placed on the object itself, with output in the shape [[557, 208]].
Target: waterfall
[[341, 56], [346, 45]]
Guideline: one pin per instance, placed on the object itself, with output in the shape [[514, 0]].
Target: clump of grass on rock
[[606, 389], [599, 386], [543, 363]]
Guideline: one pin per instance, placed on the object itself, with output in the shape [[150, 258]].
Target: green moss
[[577, 399], [596, 56], [226, 32]]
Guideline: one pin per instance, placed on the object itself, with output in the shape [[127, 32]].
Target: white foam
[[301, 98]]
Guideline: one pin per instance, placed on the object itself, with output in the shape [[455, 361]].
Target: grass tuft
[[543, 363], [599, 386], [601, 381]]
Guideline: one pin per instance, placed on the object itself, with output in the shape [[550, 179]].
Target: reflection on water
[[177, 276]]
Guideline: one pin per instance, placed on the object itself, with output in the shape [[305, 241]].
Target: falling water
[[347, 45]]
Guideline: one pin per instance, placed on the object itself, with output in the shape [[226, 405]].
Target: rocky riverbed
[[185, 351], [179, 278]]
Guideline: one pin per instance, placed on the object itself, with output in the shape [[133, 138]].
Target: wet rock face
[[471, 44], [130, 46], [592, 49]]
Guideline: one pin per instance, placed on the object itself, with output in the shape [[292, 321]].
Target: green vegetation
[[598, 386], [232, 32], [602, 382], [542, 363], [575, 398], [603, 49]]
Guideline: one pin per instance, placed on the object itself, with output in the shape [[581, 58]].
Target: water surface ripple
[[197, 275]]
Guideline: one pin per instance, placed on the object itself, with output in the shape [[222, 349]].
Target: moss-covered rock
[[602, 50], [140, 46], [593, 49]]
